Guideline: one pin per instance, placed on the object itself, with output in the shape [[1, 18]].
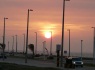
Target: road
[[29, 62], [39, 63]]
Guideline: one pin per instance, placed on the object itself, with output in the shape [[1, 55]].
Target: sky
[[47, 16]]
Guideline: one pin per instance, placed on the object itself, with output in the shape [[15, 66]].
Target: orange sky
[[47, 15]]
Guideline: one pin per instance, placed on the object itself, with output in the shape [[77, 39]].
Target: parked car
[[72, 62]]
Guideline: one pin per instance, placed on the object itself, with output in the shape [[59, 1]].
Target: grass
[[11, 66]]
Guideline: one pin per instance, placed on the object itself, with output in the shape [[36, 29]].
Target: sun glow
[[48, 34]]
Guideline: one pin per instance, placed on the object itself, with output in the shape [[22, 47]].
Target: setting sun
[[48, 34]]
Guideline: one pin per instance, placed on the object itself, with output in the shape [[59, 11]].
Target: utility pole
[[27, 34], [62, 42]]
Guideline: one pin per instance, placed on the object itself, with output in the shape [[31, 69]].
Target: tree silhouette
[[31, 47], [2, 46]]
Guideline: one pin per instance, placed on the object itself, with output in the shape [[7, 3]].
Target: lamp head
[[68, 29], [35, 32], [30, 10], [92, 27], [67, 0], [5, 18]]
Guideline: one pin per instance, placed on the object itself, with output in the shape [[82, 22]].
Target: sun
[[48, 34]]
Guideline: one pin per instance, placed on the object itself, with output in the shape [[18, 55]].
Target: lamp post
[[94, 46], [36, 44], [4, 37], [69, 41], [44, 45], [62, 42], [81, 48], [27, 34], [51, 44], [8, 46], [0, 38], [13, 45], [16, 43], [24, 44]]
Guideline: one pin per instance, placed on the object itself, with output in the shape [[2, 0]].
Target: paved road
[[29, 62], [40, 63], [88, 61]]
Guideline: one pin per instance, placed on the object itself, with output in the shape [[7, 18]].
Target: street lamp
[[24, 44], [13, 45], [51, 44], [81, 48], [4, 37], [0, 38], [36, 44], [69, 41], [16, 43], [94, 46], [8, 46], [27, 34], [44, 45], [63, 32]]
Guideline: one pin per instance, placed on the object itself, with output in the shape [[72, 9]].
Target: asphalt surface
[[30, 62], [42, 63]]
